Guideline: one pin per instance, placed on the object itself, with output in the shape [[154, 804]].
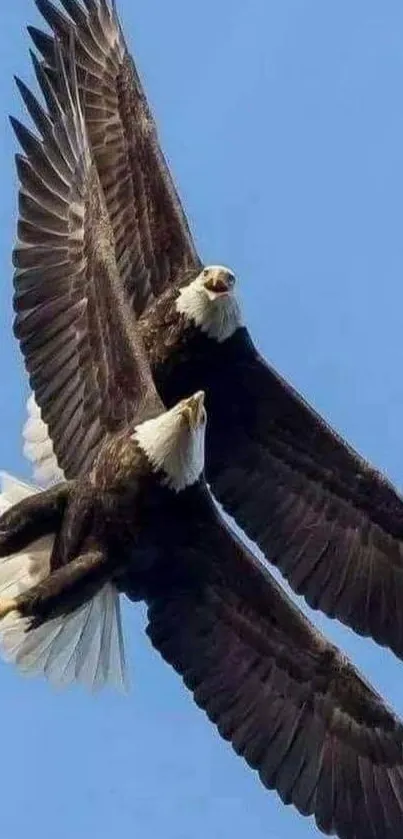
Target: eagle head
[[210, 303], [173, 442]]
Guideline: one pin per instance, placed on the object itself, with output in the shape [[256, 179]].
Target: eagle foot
[[7, 605]]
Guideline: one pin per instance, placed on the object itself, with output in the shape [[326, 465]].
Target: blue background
[[283, 123]]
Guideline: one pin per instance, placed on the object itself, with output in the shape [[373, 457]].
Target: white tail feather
[[38, 447], [84, 646]]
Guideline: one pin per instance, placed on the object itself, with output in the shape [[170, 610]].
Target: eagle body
[[181, 354], [178, 351], [66, 551], [114, 509], [137, 516]]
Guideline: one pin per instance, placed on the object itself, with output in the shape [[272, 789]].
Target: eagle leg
[[63, 590], [32, 518], [7, 605]]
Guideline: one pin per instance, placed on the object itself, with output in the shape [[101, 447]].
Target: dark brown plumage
[[151, 246], [331, 523], [286, 699]]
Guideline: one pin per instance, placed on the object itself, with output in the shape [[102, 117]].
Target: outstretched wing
[[85, 361], [332, 524], [290, 704], [152, 237]]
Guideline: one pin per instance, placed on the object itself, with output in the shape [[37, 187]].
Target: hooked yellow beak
[[220, 282], [193, 410]]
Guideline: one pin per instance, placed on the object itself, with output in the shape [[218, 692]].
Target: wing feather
[[330, 522], [290, 704], [153, 242], [69, 305]]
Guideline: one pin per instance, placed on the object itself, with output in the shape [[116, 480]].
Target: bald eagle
[[330, 522], [135, 516]]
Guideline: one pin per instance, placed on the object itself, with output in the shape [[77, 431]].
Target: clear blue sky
[[283, 122]]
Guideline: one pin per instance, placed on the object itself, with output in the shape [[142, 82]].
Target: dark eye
[[205, 272]]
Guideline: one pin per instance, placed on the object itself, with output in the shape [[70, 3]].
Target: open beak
[[220, 283], [193, 409]]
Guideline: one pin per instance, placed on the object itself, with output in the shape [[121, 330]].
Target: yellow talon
[[7, 605]]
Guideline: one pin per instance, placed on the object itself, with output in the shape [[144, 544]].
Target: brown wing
[[332, 524], [86, 364], [152, 237], [290, 704]]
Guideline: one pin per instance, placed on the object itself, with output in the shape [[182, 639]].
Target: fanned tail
[[83, 646]]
